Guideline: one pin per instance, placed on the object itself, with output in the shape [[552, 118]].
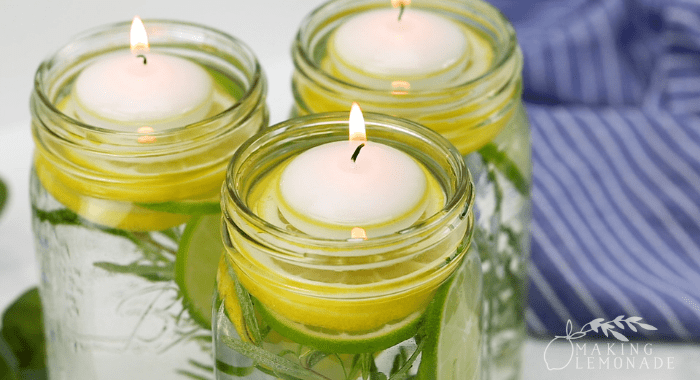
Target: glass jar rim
[[257, 79], [301, 47], [462, 194]]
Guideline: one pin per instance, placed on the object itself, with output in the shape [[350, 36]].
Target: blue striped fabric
[[612, 90]]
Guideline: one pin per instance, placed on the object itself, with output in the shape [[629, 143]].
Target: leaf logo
[[606, 328]]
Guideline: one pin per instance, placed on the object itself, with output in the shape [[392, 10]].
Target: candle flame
[[357, 124], [398, 3], [138, 37], [358, 233]]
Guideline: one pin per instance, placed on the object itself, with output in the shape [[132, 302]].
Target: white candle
[[324, 193], [421, 48], [123, 91]]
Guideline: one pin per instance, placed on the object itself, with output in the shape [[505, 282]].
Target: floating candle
[[124, 92], [330, 189], [420, 47]]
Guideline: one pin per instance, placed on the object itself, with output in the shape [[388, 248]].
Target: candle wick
[[357, 152], [142, 56], [401, 11]]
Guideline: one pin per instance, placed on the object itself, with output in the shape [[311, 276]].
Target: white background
[[30, 30]]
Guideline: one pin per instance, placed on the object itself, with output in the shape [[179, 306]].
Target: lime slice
[[184, 207], [3, 195], [342, 342], [453, 337], [196, 264]]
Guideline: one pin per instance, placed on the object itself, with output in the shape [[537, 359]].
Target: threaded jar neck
[[438, 239], [482, 99], [119, 165]]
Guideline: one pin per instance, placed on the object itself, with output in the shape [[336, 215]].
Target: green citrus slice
[[3, 195], [342, 342], [196, 265], [453, 337], [184, 207]]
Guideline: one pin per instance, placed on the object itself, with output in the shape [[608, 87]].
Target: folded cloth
[[612, 89]]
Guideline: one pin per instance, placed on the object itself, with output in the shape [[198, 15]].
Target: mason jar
[[475, 102], [304, 305], [126, 220]]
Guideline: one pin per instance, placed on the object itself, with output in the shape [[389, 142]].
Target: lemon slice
[[328, 295], [453, 342], [141, 206], [196, 265], [341, 341]]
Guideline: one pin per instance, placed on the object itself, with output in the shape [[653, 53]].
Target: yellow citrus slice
[[343, 341], [134, 208], [326, 294], [332, 311]]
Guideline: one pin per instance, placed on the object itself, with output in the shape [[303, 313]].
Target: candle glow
[[398, 3], [358, 233], [146, 138], [400, 87]]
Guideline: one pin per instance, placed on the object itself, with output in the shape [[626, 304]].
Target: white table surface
[[30, 30]]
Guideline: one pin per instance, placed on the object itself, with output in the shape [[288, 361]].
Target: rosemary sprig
[[493, 156], [152, 273], [278, 364], [402, 372], [247, 308]]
